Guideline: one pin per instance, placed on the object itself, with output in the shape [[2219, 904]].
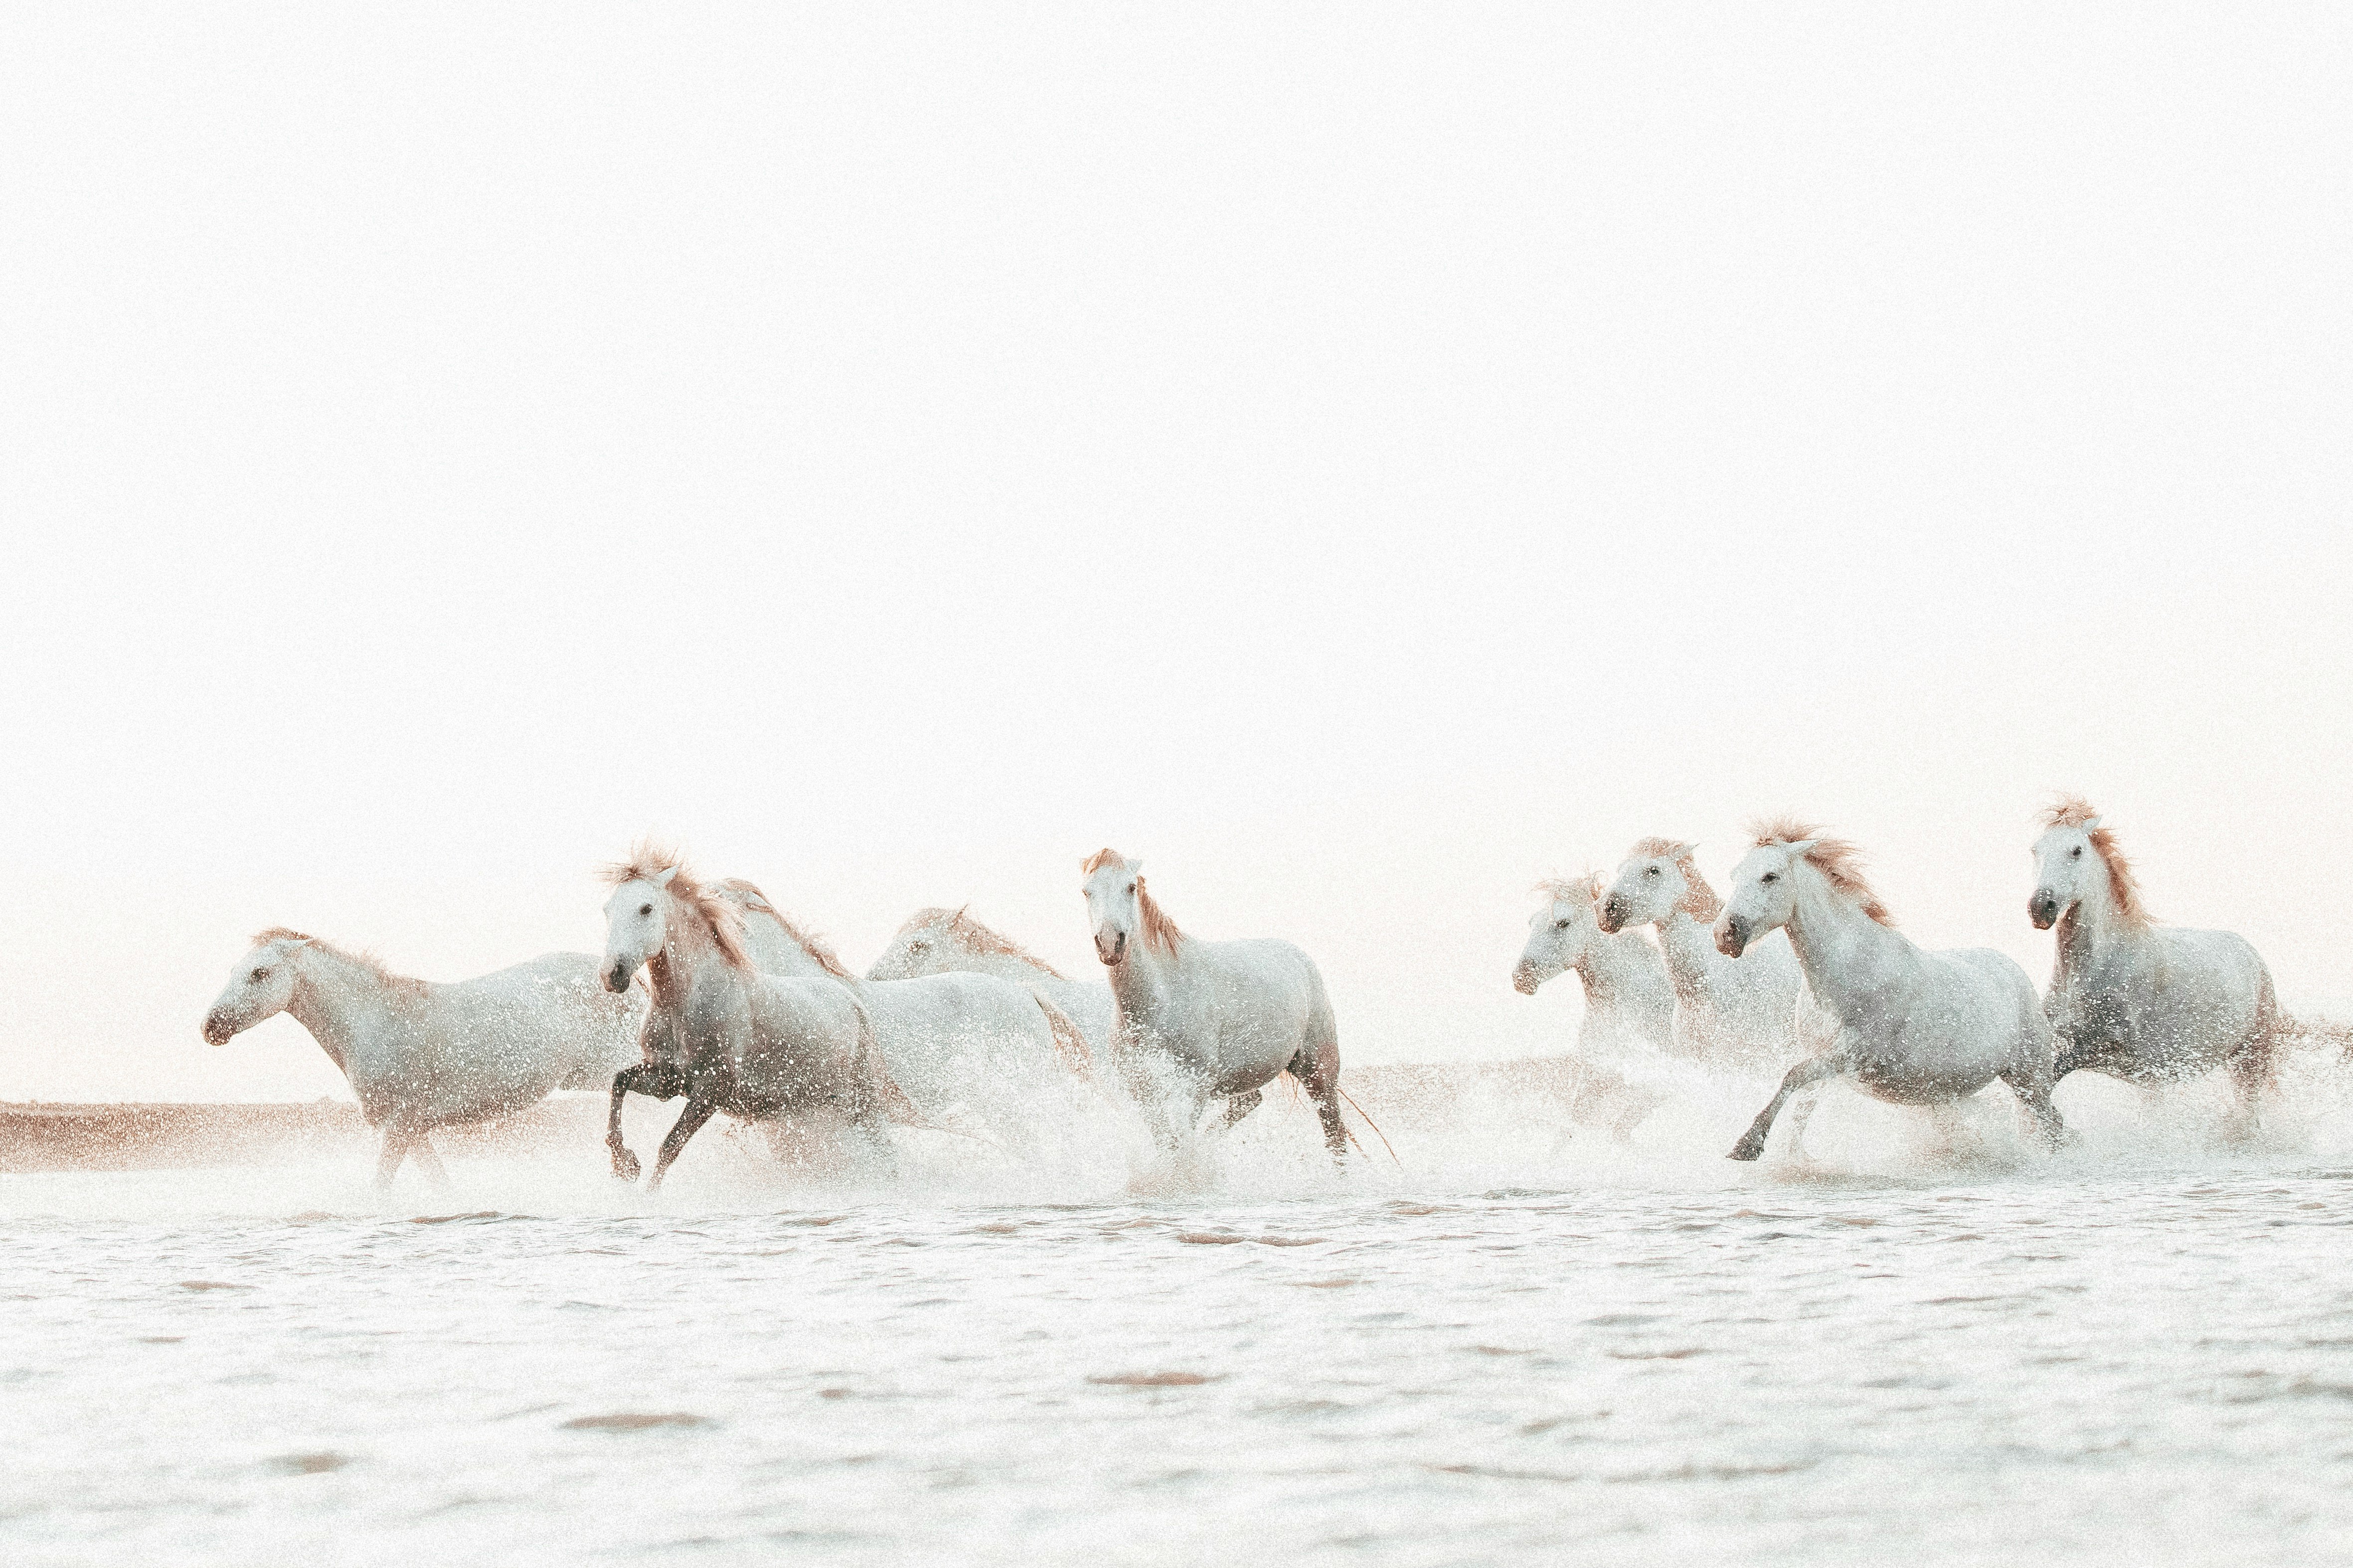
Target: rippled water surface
[[1522, 1342]]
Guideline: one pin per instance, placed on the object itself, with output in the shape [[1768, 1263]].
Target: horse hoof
[[1746, 1148]]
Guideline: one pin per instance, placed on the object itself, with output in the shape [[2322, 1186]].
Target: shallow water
[[1521, 1342]]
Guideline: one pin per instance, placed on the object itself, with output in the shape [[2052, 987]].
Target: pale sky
[[1357, 460]]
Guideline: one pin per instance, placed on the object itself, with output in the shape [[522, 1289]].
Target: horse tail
[[1070, 1043], [1376, 1126], [2316, 1033]]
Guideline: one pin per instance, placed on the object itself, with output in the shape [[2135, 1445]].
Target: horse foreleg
[[428, 1160], [2033, 1091], [395, 1149], [646, 1080], [1811, 1071], [690, 1121], [1240, 1106]]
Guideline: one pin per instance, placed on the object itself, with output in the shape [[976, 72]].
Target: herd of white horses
[[705, 990]]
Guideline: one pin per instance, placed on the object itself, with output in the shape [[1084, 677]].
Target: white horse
[[1743, 1012], [2130, 999], [1914, 1027], [754, 1045], [1208, 1020], [1001, 1050], [938, 940], [1628, 1000], [421, 1055]]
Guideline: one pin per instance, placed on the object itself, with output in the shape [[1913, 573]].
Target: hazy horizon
[[1358, 462]]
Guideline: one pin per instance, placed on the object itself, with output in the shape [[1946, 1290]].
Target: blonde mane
[[2074, 811], [1699, 899], [1570, 889], [1159, 930], [1838, 861], [816, 947], [719, 916], [407, 983], [979, 938]]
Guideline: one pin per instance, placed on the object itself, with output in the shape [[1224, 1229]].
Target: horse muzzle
[[1111, 949], [1731, 937], [616, 976], [219, 1031], [1612, 916], [1524, 979], [2042, 909]]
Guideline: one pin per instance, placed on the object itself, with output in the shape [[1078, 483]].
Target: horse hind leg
[[429, 1160], [1319, 1073], [395, 1149], [1240, 1106], [2032, 1085]]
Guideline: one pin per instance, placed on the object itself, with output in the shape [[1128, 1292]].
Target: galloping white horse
[[1627, 998], [1002, 1050], [1208, 1020], [2143, 1003], [421, 1055], [1736, 1012], [754, 1045], [1914, 1027], [939, 941]]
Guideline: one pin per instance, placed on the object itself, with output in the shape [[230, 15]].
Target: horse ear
[[1684, 851], [1801, 846], [664, 880], [1135, 868], [2093, 825]]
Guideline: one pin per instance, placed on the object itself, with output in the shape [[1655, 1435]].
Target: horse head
[[2067, 861], [1560, 934], [1649, 884], [637, 922], [1113, 890], [1764, 895], [259, 987]]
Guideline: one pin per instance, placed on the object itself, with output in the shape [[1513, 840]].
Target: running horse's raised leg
[[1319, 1073], [655, 1082], [1240, 1106], [1810, 1071], [690, 1121]]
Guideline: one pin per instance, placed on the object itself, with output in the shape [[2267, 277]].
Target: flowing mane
[[367, 961], [1838, 861], [1159, 930], [1699, 899], [2074, 811], [719, 916], [739, 891], [1571, 889], [979, 938]]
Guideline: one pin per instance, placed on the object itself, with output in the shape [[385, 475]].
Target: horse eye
[[1770, 876], [2076, 853], [645, 909], [261, 975], [1131, 887], [1560, 925]]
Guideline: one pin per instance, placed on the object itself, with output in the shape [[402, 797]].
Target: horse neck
[[1142, 979], [1611, 966], [2092, 927], [1841, 949], [1689, 947], [344, 1002], [689, 961]]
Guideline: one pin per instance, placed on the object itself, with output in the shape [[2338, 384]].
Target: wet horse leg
[[658, 1083], [690, 1121], [421, 1150], [1319, 1073], [395, 1149], [2033, 1090], [1240, 1106], [1812, 1071]]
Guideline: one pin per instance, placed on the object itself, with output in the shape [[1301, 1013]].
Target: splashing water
[[1524, 1339]]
